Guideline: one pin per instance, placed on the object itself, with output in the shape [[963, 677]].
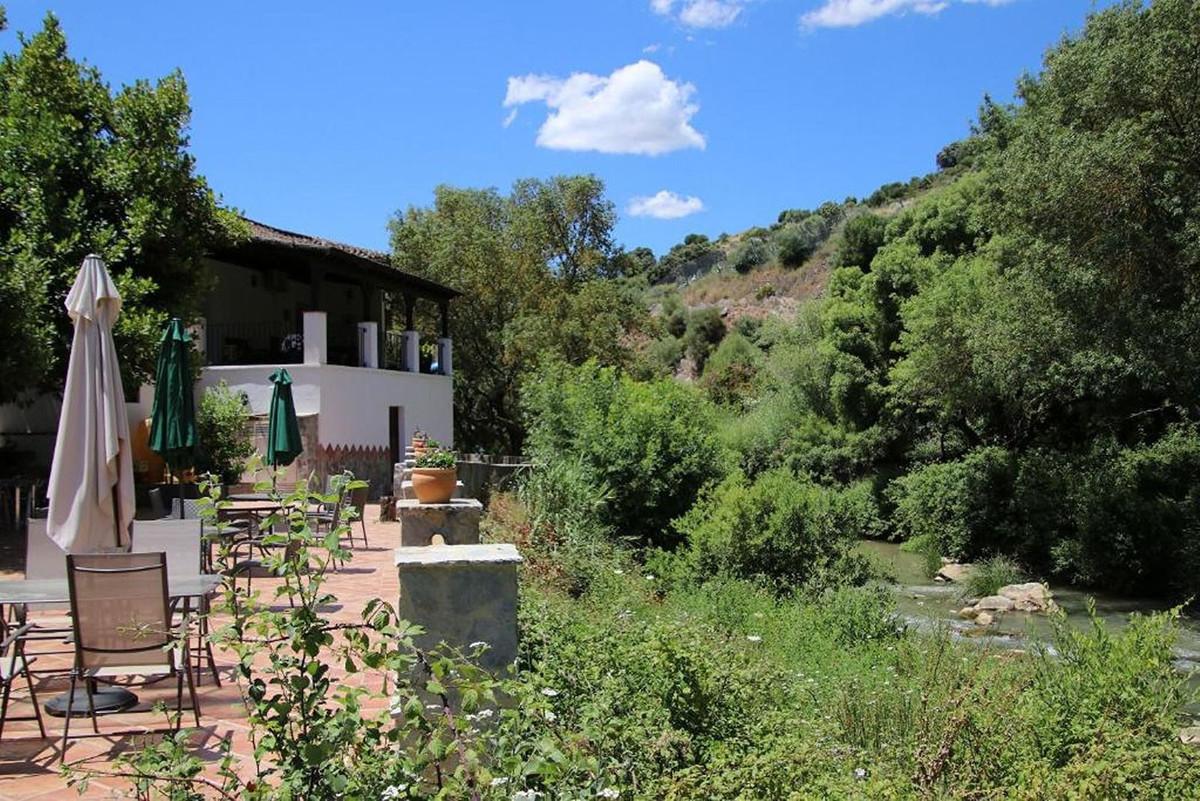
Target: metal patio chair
[[121, 611]]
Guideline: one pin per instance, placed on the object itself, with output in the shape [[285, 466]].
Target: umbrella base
[[109, 701]]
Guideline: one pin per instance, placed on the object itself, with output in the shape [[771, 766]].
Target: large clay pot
[[434, 484]]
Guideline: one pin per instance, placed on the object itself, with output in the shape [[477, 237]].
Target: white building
[[320, 309]]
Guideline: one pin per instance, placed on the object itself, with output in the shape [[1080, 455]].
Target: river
[[923, 603]]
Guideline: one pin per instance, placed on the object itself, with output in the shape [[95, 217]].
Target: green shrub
[[964, 506], [749, 254], [731, 374], [778, 528], [862, 237], [223, 428], [705, 331], [765, 291], [662, 357], [653, 443], [989, 575]]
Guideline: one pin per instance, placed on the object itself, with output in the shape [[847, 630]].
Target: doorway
[[396, 434]]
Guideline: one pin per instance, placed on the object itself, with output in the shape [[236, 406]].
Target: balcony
[[274, 343]]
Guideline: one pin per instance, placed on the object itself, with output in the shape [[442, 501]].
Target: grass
[[989, 575]]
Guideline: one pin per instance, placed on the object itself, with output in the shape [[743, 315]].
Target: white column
[[446, 356], [368, 344], [412, 351], [315, 349]]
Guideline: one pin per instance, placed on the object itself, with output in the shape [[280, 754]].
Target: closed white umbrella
[[91, 478]]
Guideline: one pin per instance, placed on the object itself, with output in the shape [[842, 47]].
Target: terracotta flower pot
[[434, 484]]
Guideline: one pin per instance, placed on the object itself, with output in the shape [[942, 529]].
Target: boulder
[[953, 571], [1190, 735], [995, 603], [984, 619], [1032, 596]]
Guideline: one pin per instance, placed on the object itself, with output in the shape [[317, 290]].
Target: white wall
[[352, 401]]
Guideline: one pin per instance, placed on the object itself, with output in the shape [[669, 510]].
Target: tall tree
[[529, 267], [89, 170]]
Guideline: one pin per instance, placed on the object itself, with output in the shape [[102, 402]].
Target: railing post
[[446, 356], [412, 351], [315, 347], [368, 344]]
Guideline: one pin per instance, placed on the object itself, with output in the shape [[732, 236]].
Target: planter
[[434, 484]]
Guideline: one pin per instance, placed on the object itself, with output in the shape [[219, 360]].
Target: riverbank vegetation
[[1002, 361]]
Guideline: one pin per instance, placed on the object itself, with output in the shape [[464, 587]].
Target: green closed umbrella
[[173, 419], [283, 429]]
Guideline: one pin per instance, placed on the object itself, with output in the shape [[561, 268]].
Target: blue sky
[[322, 119]]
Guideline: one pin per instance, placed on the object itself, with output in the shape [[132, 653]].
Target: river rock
[[995, 603], [1190, 735], [953, 571], [984, 619], [1029, 597]]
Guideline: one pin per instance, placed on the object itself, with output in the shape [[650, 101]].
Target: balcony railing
[[253, 343]]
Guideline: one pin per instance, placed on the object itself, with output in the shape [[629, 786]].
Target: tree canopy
[[86, 170], [534, 269]]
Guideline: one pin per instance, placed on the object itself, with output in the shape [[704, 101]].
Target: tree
[[568, 222], [532, 291], [749, 254], [86, 170]]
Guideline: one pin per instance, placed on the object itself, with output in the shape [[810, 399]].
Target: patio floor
[[30, 766]]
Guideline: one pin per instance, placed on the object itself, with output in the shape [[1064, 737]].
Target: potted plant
[[435, 475], [420, 443]]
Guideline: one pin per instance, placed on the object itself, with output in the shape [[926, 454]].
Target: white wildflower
[[618, 572], [753, 638], [550, 716], [549, 692], [860, 773], [484, 714], [525, 795], [649, 577], [499, 781], [477, 644], [393, 792], [608, 792]]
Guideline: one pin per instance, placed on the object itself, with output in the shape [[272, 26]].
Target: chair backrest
[[358, 501], [120, 609], [178, 539], [43, 558]]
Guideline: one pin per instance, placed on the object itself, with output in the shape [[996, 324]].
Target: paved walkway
[[29, 765]]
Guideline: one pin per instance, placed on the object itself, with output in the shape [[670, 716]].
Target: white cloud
[[636, 109], [665, 205], [700, 13], [850, 13], [652, 48]]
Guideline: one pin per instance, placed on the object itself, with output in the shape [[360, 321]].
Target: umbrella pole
[[116, 503]]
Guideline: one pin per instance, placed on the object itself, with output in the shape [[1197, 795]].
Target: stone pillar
[[462, 594], [412, 351], [455, 523], [368, 344], [446, 356], [315, 348]]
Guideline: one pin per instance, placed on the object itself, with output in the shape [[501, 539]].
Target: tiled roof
[[269, 233]]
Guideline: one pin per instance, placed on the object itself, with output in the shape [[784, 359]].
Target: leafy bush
[[705, 331], [749, 254], [778, 528], [861, 239], [765, 291], [731, 374], [795, 242], [653, 443], [964, 506], [989, 575], [559, 525], [223, 428]]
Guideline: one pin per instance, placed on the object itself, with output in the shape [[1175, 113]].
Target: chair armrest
[[15, 634]]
